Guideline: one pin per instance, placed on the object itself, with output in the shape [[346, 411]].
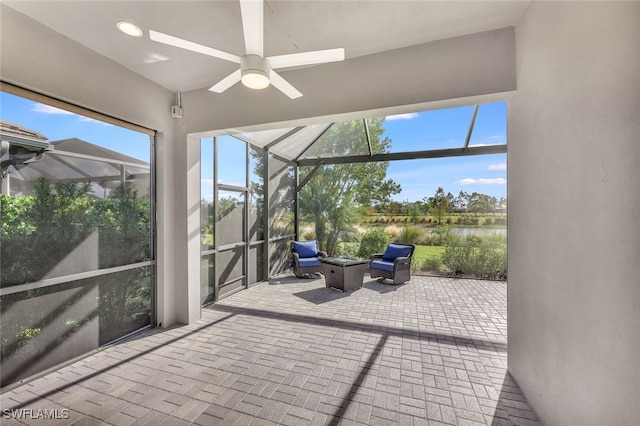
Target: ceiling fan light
[[129, 29], [255, 79], [255, 71]]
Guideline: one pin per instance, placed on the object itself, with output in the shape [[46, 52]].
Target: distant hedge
[[38, 231]]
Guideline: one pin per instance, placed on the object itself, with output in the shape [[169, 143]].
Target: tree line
[[441, 204]]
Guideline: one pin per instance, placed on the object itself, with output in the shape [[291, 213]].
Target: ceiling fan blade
[[253, 26], [194, 47], [307, 58], [226, 82], [283, 85]]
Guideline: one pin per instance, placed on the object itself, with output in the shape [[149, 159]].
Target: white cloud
[[47, 109], [482, 181], [92, 120], [499, 137], [499, 166], [206, 182], [491, 139], [407, 116]]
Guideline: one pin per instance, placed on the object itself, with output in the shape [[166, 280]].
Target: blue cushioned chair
[[306, 258], [394, 263]]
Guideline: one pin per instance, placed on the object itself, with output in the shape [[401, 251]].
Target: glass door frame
[[216, 251]]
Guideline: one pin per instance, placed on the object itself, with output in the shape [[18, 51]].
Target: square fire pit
[[344, 273]]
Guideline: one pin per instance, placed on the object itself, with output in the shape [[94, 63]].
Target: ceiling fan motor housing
[[255, 71]]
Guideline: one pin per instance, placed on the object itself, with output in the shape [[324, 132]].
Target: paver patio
[[293, 352]]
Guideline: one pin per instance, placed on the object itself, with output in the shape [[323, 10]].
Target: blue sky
[[443, 129], [409, 132], [57, 124]]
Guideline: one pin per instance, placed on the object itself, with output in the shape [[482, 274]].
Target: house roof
[[75, 159], [19, 135], [79, 146]]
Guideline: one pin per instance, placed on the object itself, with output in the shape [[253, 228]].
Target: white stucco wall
[[574, 212]]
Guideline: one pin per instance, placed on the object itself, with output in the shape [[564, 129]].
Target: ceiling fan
[[256, 71]]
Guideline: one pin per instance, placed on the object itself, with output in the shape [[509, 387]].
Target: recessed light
[[129, 29]]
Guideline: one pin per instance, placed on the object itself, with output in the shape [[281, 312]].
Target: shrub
[[440, 235], [500, 220], [393, 232], [476, 256], [432, 263], [427, 239], [348, 249], [308, 236], [468, 220], [375, 240], [456, 256], [40, 230], [410, 235]]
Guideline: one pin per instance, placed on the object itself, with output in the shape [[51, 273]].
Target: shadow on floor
[[292, 279], [382, 287], [512, 408], [369, 283], [322, 295]]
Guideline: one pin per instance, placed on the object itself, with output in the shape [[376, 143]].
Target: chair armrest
[[296, 256], [322, 253], [402, 260], [376, 256]]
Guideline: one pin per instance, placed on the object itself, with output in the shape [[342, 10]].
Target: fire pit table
[[344, 273]]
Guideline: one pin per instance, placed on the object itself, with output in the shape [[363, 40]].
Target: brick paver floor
[[293, 352]]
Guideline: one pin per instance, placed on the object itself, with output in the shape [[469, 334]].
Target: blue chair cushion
[[306, 248], [308, 261], [385, 265], [395, 250]]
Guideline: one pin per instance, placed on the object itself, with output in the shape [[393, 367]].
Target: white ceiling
[[361, 27]]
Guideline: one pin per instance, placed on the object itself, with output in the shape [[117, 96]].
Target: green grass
[[422, 252]]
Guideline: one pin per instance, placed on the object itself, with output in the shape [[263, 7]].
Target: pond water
[[456, 230], [478, 231]]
